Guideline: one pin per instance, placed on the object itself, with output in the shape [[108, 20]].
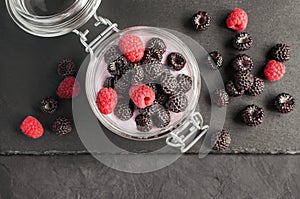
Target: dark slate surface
[[217, 176], [28, 67]]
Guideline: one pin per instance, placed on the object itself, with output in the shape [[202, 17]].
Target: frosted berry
[[220, 97], [201, 21], [177, 103], [124, 110]]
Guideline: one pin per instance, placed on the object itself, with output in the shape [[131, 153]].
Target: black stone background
[[28, 73]]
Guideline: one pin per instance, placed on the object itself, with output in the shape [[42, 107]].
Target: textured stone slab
[[216, 176], [28, 71]]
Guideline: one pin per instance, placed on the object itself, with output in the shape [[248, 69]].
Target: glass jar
[[43, 18]]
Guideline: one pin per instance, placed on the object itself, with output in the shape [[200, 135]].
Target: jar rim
[[52, 25]]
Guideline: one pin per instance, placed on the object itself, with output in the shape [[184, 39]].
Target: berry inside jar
[[144, 84]]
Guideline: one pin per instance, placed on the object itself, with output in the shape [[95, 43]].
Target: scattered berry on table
[[106, 101], [221, 140], [274, 70], [68, 88], [151, 55], [132, 46], [257, 87], [201, 21], [134, 76], [220, 97], [237, 20], [161, 118], [157, 44], [176, 61], [242, 41], [232, 90], [112, 54], [177, 102], [242, 63], [117, 66], [253, 115], [110, 82], [243, 80], [215, 60], [124, 110], [144, 122], [185, 83], [141, 95], [61, 125], [284, 103], [281, 52], [31, 127], [168, 83], [153, 70], [49, 105], [67, 68]]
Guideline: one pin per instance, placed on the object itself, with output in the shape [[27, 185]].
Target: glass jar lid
[[50, 18]]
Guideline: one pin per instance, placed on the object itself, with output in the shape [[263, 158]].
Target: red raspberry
[[237, 20], [142, 95], [132, 47], [68, 88], [106, 101], [31, 127], [274, 70]]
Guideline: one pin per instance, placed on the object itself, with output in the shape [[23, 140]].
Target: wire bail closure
[[186, 141], [90, 47]]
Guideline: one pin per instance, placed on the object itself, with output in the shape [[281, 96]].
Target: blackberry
[[201, 21], [242, 63], [185, 83], [243, 80], [215, 60], [157, 44], [242, 41], [161, 98], [116, 66], [150, 110], [134, 76], [155, 87], [112, 54], [168, 83], [110, 82], [62, 125], [232, 90], [220, 97], [143, 122], [284, 103], [67, 68], [257, 88], [128, 67], [122, 87], [124, 110], [151, 55], [161, 118], [49, 105], [281, 52], [177, 103], [176, 61], [253, 115], [153, 70], [221, 140]]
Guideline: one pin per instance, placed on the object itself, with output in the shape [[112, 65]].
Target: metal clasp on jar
[[90, 47], [189, 134]]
